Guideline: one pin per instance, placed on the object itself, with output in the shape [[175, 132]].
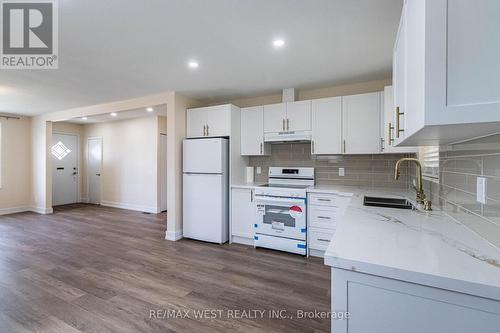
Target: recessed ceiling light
[[84, 118], [114, 114], [278, 43], [150, 109], [193, 64]]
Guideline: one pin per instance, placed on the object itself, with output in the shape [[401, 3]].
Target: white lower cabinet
[[381, 304], [323, 212], [242, 215]]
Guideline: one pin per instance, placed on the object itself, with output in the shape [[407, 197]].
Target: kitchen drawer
[[334, 200], [323, 216], [319, 239]]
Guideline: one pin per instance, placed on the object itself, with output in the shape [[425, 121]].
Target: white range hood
[[292, 136]]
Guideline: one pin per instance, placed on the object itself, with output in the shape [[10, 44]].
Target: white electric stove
[[281, 216]]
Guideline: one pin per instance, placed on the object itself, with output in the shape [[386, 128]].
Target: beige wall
[[129, 175], [15, 191], [304, 94]]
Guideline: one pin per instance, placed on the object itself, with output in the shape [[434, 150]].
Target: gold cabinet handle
[[344, 147], [261, 148], [390, 140], [382, 148], [287, 124], [204, 130], [312, 143], [398, 122], [283, 124]]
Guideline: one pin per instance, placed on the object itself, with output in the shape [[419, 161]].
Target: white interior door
[[94, 169], [64, 169], [163, 172]]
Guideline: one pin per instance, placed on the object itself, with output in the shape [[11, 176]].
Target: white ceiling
[[158, 110], [117, 49]]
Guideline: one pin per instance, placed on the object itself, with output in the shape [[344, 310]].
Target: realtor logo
[[29, 33]]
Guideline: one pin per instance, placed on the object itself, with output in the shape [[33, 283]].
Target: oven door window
[[284, 219], [278, 217]]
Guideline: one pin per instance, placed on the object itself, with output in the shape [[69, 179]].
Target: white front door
[[94, 169], [64, 169], [163, 171]]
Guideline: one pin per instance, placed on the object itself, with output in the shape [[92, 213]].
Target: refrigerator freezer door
[[205, 155], [205, 213]]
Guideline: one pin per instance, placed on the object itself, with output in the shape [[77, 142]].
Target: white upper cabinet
[[219, 120], [327, 126], [298, 116], [287, 117], [212, 121], [388, 130], [196, 123], [274, 118], [252, 132], [361, 123], [446, 83]]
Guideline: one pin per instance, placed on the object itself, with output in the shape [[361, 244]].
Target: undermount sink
[[387, 202]]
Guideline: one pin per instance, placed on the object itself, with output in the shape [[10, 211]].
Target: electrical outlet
[[258, 170], [481, 190], [341, 172]]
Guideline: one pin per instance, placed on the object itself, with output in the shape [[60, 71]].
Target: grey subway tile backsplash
[[371, 170], [460, 165]]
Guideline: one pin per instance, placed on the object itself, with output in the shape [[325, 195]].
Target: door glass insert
[[60, 151]]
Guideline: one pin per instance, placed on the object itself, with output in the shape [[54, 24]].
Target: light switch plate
[[258, 170], [481, 190], [341, 172]]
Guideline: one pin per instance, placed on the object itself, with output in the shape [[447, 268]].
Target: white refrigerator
[[206, 189]]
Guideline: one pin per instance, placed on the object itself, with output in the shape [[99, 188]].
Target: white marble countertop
[[428, 248]]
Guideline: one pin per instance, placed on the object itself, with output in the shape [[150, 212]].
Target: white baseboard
[[14, 210], [41, 210], [139, 208], [173, 235]]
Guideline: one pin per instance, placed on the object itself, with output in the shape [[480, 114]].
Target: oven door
[[283, 217]]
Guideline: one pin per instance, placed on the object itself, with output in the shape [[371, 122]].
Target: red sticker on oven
[[295, 212]]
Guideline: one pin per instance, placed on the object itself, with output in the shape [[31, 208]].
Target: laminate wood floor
[[88, 268]]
